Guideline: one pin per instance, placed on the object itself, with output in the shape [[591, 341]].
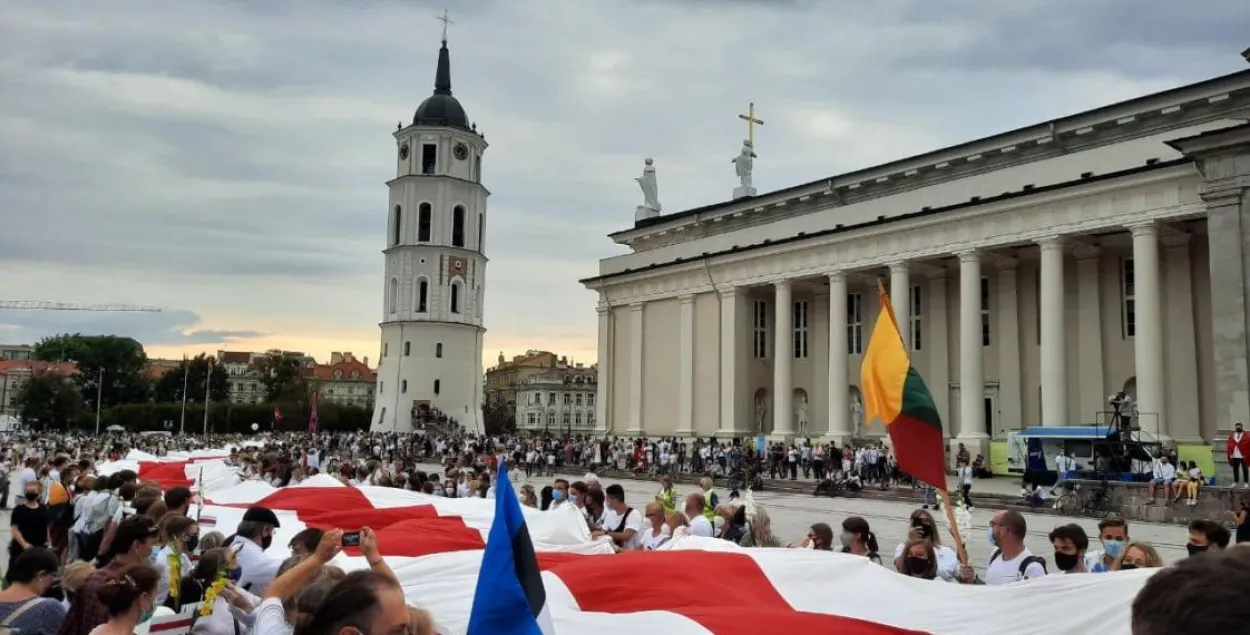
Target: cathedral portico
[[1026, 302]]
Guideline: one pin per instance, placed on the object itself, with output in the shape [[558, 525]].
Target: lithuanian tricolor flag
[[895, 393]]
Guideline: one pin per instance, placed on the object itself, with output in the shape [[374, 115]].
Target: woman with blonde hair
[[654, 531], [760, 531], [1137, 555], [710, 499]]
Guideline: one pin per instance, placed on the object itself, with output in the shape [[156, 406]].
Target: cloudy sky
[[226, 160]]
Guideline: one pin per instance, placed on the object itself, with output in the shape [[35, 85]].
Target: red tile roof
[[325, 372], [30, 365]]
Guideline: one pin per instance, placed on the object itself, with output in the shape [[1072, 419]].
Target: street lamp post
[[99, 395]]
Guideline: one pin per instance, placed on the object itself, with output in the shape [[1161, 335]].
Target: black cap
[[261, 515]]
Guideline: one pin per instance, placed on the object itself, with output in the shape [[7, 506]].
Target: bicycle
[[1098, 504], [831, 487]]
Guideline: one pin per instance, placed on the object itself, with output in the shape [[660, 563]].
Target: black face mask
[[1128, 566], [266, 541], [1196, 549], [1066, 561], [915, 565], [30, 496], [192, 543]]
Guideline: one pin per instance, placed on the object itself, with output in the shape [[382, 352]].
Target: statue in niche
[[857, 412], [761, 413], [800, 413], [744, 163], [650, 189]]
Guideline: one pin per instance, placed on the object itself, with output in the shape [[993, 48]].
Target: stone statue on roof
[[650, 207], [744, 163]]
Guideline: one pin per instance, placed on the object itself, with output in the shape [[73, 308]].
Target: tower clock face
[[462, 151], [403, 152]]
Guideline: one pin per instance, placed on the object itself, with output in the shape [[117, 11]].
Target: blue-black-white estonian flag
[[510, 599]]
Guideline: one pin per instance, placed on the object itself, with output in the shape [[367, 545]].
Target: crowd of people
[[95, 554]]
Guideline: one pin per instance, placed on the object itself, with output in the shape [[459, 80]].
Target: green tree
[[497, 417], [119, 363], [285, 382], [50, 401], [168, 389]]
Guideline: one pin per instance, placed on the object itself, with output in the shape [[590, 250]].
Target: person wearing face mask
[[22, 606], [1205, 536], [1010, 561], [918, 561], [857, 538], [1070, 543], [129, 597], [253, 539], [819, 538], [132, 545], [559, 493], [1137, 555], [173, 560], [1113, 535], [923, 527], [28, 524]]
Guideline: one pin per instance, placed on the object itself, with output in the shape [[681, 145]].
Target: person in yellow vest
[[710, 499], [667, 495]]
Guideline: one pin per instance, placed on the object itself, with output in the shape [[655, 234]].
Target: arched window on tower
[[438, 349], [455, 297], [393, 296], [437, 385], [423, 295], [423, 223], [457, 226], [398, 225], [481, 233]]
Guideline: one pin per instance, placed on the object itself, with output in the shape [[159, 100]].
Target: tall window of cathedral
[[759, 330], [393, 295], [455, 297], [423, 294], [398, 224], [429, 158]]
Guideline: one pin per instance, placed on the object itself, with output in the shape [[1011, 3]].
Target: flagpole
[[186, 375], [99, 394], [207, 384]]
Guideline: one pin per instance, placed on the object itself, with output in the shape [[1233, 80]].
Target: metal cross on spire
[[749, 117], [446, 21]]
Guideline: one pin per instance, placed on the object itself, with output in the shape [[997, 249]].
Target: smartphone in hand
[[351, 539]]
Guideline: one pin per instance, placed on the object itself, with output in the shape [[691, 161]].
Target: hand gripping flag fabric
[[692, 586], [895, 393], [510, 599]]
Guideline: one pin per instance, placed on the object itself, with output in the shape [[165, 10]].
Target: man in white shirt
[[1010, 561], [257, 569], [699, 524], [1164, 474], [620, 523]]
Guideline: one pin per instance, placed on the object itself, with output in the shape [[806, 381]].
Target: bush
[[229, 418]]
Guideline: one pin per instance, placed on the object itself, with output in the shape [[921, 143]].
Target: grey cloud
[[169, 328]]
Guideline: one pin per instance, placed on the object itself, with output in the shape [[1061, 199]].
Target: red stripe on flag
[[169, 474], [726, 593], [914, 442]]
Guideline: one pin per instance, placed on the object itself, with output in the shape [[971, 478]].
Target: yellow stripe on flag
[[885, 367]]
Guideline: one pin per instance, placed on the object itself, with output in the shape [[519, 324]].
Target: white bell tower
[[435, 268]]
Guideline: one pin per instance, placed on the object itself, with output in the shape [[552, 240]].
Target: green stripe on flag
[[917, 401]]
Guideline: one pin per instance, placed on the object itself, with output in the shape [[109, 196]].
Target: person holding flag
[[510, 598]]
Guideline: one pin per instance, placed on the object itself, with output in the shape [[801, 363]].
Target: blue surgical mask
[[1113, 548], [235, 574], [557, 495], [989, 535], [146, 615], [573, 498]]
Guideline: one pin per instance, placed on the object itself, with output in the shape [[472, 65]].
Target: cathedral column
[[685, 390], [839, 390], [900, 300], [603, 385], [1181, 350], [971, 373], [1091, 391], [1008, 403], [1148, 335], [1053, 345], [636, 317], [783, 351], [728, 362], [936, 346]]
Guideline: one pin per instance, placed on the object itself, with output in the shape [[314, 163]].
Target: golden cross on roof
[[446, 21], [751, 122]]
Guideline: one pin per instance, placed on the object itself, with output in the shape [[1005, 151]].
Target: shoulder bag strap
[[21, 610]]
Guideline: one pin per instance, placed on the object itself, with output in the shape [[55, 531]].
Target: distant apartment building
[[345, 380], [243, 377], [558, 400], [503, 380], [16, 352], [14, 374]]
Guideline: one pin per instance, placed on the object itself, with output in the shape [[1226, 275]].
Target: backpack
[[1024, 564]]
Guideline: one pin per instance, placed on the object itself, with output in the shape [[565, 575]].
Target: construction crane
[[35, 305]]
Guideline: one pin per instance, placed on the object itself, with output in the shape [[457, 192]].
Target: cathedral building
[[1033, 274], [433, 290]]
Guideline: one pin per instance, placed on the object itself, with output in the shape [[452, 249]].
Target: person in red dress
[[1238, 453]]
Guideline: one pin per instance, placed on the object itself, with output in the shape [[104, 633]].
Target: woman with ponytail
[[858, 539], [130, 596], [172, 560]]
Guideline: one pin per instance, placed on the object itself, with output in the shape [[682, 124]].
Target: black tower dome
[[441, 109]]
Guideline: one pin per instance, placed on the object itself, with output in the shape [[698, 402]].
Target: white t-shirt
[[612, 520], [650, 540], [699, 526], [1003, 571], [947, 561]]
